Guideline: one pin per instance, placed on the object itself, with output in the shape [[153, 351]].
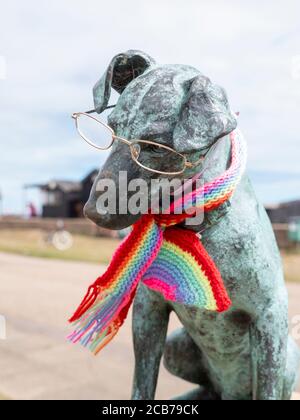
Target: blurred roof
[[64, 185], [282, 205]]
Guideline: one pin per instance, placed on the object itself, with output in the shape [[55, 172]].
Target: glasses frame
[[131, 144]]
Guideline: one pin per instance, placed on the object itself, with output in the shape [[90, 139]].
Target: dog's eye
[[154, 149]]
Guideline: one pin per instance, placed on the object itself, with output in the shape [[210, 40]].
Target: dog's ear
[[204, 118], [121, 71]]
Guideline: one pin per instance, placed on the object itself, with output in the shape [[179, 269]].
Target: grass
[[3, 398], [95, 250], [291, 262], [33, 243]]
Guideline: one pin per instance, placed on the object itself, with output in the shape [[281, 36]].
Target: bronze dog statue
[[245, 353]]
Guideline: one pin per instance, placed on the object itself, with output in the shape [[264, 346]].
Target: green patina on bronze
[[245, 353]]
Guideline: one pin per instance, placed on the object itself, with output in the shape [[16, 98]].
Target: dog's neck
[[217, 164]]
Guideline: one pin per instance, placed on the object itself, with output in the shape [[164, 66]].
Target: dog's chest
[[226, 333]]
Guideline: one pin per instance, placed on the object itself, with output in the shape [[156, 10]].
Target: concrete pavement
[[36, 362]]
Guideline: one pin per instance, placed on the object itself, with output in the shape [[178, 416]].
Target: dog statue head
[[174, 105]]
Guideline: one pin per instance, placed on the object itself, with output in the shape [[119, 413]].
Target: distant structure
[[284, 213], [65, 199]]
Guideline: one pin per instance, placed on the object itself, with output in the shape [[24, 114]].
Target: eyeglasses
[[151, 156]]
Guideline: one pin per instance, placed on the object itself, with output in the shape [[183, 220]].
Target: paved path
[[36, 362]]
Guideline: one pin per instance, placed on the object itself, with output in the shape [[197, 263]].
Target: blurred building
[[285, 212], [65, 199], [285, 218]]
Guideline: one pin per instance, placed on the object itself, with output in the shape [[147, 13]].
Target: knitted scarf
[[168, 259]]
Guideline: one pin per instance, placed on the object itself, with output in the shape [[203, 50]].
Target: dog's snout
[[90, 211], [104, 219], [101, 218]]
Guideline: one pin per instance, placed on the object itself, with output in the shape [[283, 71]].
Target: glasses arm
[[93, 110]]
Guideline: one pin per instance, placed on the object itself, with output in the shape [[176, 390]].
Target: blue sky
[[55, 52]]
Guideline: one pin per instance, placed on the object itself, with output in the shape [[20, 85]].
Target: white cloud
[[57, 50], [3, 68]]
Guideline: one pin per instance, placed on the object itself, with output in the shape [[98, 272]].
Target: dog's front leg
[[269, 337], [150, 324]]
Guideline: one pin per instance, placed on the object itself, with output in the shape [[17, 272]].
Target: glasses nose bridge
[[122, 139]]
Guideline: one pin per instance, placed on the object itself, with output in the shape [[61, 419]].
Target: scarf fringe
[[106, 303]]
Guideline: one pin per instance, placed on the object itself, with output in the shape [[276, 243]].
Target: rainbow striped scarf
[[167, 259]]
